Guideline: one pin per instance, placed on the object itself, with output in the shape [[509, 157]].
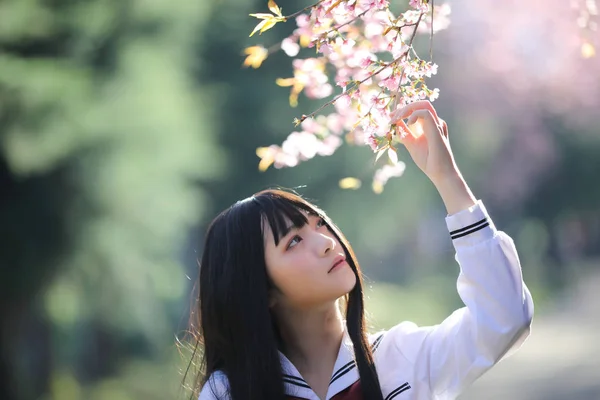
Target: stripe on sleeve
[[469, 229]]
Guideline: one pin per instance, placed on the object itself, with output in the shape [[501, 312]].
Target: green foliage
[[126, 125], [104, 90]]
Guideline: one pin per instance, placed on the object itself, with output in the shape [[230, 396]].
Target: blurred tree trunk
[[7, 375], [32, 237]]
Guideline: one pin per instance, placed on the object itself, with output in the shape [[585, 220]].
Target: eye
[[321, 222], [293, 242]]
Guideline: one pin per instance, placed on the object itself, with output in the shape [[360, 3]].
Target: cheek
[[297, 281], [291, 274]]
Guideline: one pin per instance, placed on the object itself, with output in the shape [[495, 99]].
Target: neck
[[311, 335]]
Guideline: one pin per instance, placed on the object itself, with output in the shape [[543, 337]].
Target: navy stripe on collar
[[375, 344], [293, 380], [402, 388], [343, 370]]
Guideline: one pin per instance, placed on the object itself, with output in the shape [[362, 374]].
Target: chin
[[348, 282]]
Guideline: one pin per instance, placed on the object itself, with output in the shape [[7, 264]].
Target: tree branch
[[304, 9], [431, 32], [377, 72]]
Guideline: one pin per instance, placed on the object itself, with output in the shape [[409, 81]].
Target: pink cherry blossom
[[329, 145], [325, 49], [383, 174], [371, 140], [366, 51], [420, 5], [290, 46]]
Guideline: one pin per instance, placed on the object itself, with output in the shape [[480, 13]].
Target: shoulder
[[396, 353], [215, 388], [405, 340]]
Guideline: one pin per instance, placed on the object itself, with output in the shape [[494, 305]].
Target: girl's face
[[308, 266]]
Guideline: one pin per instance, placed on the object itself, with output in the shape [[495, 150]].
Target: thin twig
[[335, 28], [304, 9], [272, 49], [277, 46], [412, 37], [431, 33]]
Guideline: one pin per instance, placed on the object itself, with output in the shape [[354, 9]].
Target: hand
[[426, 139]]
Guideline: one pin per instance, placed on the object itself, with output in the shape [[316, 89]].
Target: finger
[[403, 127], [430, 127], [408, 140], [406, 111], [444, 127], [422, 114]]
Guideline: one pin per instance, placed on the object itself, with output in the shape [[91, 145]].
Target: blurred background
[[126, 125]]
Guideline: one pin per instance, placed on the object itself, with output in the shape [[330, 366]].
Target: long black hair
[[233, 325]]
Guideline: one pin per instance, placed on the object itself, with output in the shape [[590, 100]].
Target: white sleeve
[[497, 317], [216, 388]]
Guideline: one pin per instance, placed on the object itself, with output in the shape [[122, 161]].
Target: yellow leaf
[[296, 90], [285, 82], [262, 15], [350, 183], [377, 187], [304, 40], [293, 99], [259, 27], [393, 156], [274, 8], [588, 50], [269, 23], [266, 158], [380, 152], [256, 56]]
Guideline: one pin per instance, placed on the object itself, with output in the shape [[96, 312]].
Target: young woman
[[275, 269]]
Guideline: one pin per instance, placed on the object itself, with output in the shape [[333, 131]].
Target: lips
[[337, 261]]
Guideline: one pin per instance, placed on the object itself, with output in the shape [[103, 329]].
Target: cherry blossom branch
[[353, 55], [297, 121], [431, 32], [412, 37], [303, 10], [336, 28]]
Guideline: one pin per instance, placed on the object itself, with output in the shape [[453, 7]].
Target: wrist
[[455, 193]]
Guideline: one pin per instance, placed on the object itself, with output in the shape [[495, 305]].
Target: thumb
[[408, 139], [427, 122]]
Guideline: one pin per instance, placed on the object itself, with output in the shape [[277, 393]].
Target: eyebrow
[[285, 231]]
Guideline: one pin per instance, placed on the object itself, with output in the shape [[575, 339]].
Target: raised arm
[[498, 306]]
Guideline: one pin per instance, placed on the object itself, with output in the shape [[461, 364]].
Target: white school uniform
[[438, 362]]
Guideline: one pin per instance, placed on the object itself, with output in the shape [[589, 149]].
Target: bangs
[[283, 214]]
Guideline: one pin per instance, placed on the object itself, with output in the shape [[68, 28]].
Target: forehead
[[279, 223]]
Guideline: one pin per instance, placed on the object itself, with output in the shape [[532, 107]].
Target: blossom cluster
[[365, 62]]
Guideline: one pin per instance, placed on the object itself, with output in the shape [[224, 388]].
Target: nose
[[326, 244]]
